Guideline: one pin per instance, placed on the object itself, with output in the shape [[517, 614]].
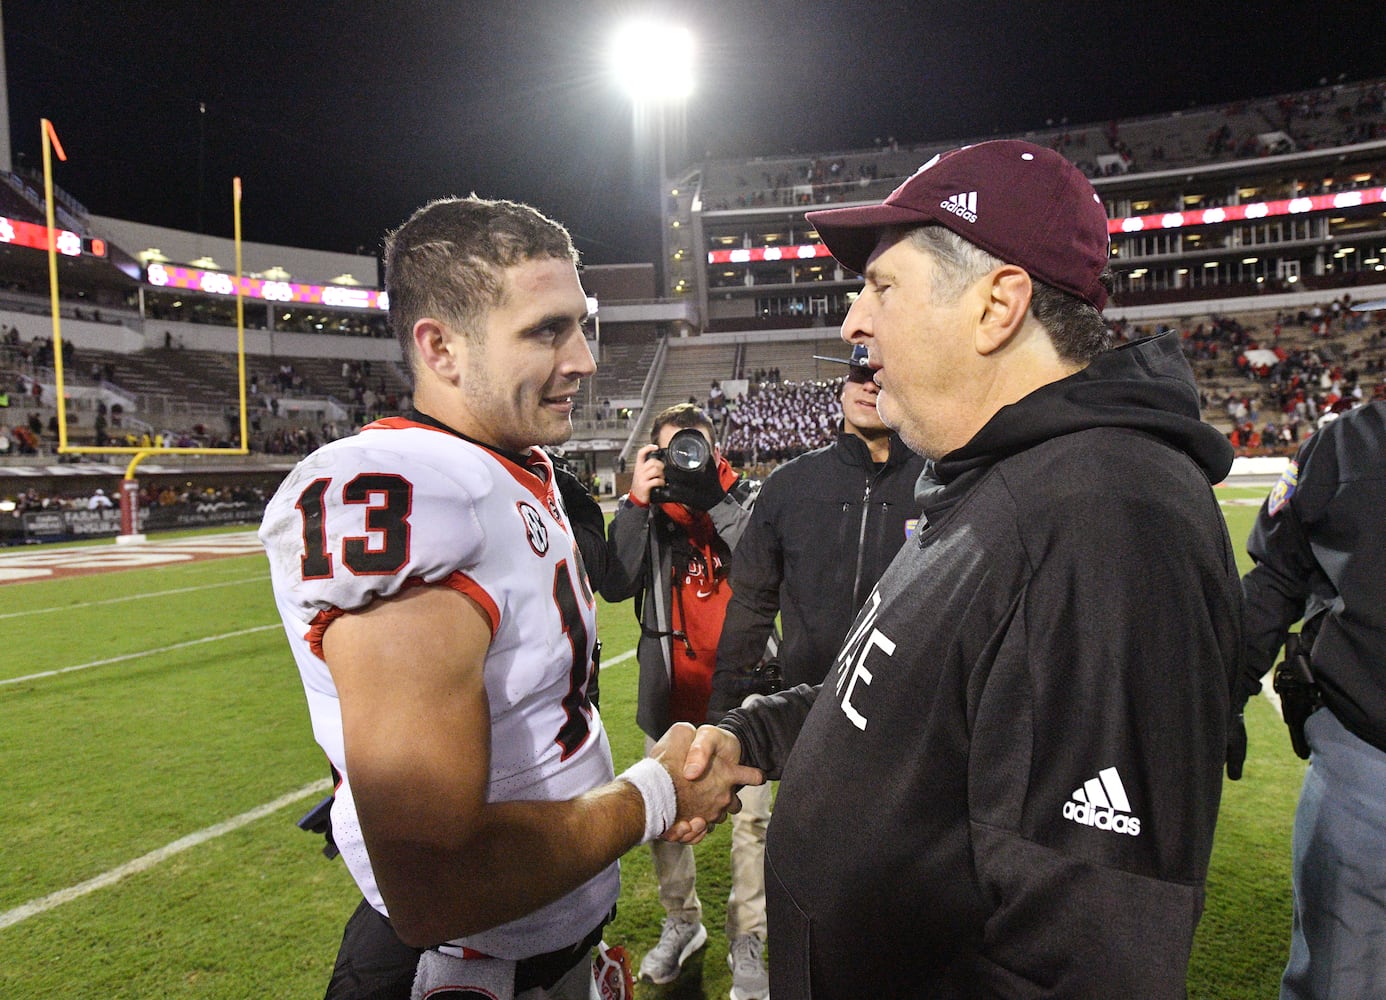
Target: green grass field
[[107, 766]]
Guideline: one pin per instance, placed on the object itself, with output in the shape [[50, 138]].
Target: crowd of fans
[[1276, 384], [150, 496], [816, 181], [29, 421], [1271, 384], [775, 421], [89, 512], [1337, 114]]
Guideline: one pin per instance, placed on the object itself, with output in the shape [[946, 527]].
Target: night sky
[[342, 117]]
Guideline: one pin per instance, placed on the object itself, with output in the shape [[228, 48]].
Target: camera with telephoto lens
[[690, 473]]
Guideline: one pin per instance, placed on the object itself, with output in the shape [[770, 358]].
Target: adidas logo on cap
[[1102, 803], [964, 206]]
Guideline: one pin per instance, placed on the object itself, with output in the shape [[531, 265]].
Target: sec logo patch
[[536, 532]]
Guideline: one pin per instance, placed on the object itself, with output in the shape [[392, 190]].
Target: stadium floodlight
[[653, 62]]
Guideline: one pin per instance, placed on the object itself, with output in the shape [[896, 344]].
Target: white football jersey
[[403, 504]]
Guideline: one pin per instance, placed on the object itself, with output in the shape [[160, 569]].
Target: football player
[[443, 625]]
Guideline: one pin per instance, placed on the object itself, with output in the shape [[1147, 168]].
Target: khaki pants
[[677, 872]]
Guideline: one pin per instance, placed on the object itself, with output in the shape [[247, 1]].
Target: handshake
[[705, 767]]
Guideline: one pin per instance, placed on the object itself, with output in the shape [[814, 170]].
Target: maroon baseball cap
[[1020, 202]]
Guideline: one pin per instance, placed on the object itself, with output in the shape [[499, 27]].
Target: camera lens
[[689, 450]]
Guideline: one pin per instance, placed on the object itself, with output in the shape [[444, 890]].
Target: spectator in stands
[[99, 500], [26, 442]]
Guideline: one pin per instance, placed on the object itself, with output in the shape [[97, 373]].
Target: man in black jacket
[[1319, 545], [825, 527], [1008, 782]]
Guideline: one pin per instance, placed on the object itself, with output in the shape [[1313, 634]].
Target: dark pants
[[372, 962]]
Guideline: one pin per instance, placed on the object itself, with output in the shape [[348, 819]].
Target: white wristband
[[657, 789]]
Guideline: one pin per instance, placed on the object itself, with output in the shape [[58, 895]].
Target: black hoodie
[[1010, 784], [824, 529]]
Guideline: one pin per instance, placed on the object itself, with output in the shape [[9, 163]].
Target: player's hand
[[648, 474], [713, 756], [706, 800]]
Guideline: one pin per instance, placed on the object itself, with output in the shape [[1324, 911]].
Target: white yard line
[[45, 903], [628, 654], [136, 656], [147, 861], [134, 597]]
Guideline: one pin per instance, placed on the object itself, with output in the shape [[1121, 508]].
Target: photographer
[[670, 547]]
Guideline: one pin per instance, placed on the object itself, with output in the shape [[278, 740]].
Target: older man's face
[[920, 346]]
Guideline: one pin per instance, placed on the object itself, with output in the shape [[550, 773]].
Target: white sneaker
[[679, 939], [750, 981]]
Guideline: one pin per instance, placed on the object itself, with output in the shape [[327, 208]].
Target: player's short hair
[[446, 261], [682, 415], [1075, 327]]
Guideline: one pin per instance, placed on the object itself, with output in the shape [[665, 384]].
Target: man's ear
[[1007, 291], [436, 346]]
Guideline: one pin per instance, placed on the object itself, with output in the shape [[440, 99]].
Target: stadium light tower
[[653, 63]]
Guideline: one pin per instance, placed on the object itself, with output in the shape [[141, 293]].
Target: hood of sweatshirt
[[1146, 385]]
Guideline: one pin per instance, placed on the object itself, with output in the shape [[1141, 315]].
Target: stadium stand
[[747, 293]]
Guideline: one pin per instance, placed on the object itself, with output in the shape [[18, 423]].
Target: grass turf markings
[[114, 875]]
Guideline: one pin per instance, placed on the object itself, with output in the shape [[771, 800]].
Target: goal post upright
[[48, 139], [129, 490], [240, 315]]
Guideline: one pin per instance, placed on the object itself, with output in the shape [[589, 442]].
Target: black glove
[[702, 490], [1236, 747]]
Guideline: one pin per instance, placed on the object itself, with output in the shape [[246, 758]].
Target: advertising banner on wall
[[67, 525]]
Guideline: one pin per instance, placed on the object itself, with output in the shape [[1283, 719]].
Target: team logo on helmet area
[[535, 531], [1283, 489]]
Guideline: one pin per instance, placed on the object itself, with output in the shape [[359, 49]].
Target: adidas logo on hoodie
[[1102, 803]]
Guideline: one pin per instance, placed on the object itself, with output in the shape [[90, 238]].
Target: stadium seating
[[763, 325]]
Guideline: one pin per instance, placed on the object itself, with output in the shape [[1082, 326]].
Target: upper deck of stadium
[[1246, 216]]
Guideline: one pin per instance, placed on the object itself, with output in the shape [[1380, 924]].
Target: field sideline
[[157, 752]]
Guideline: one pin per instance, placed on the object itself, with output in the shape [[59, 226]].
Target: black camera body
[[690, 472]]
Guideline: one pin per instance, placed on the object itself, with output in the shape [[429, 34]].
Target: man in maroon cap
[[1007, 784]]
